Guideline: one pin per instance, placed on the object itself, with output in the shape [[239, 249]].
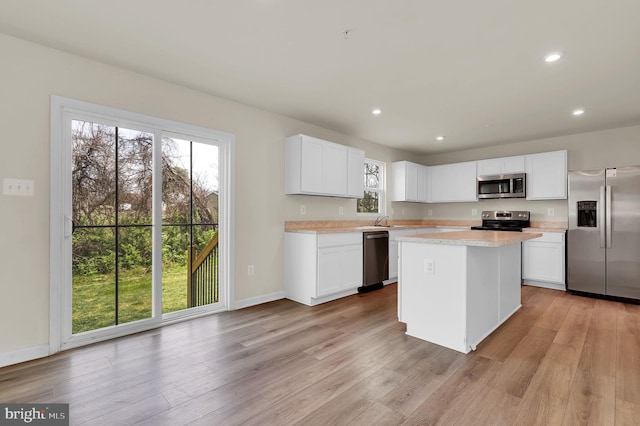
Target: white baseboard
[[245, 303], [542, 284], [23, 355]]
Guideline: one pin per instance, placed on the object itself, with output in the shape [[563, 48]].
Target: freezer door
[[585, 237], [623, 255]]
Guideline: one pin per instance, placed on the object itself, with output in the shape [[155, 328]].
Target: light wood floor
[[560, 360]]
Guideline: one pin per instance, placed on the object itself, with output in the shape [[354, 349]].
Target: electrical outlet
[[429, 266], [251, 270], [303, 209], [429, 212], [403, 211], [340, 210], [550, 211], [474, 212]]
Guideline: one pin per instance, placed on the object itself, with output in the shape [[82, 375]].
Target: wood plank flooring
[[561, 360]]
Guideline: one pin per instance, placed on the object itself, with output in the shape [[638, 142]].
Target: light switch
[[18, 187]]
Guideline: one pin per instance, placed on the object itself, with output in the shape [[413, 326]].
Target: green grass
[[94, 297]]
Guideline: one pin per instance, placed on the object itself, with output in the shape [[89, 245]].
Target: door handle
[[69, 226], [601, 214], [608, 215]]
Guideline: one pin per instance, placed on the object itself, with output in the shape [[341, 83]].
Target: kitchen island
[[456, 288]]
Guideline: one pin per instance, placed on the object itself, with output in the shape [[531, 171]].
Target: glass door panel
[[190, 181], [112, 225]]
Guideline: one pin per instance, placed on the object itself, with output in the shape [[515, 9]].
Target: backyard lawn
[[94, 297]]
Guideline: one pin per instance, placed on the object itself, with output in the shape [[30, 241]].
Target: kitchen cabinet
[[317, 167], [453, 182], [409, 182], [546, 175], [500, 166], [355, 171], [424, 189], [322, 267], [543, 261]]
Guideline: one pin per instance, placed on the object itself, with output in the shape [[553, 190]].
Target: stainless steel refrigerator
[[603, 241]]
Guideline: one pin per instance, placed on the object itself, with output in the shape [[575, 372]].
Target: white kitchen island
[[456, 288]]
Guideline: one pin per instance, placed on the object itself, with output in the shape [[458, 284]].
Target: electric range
[[504, 220]]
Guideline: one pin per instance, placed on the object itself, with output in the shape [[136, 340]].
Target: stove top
[[504, 220]]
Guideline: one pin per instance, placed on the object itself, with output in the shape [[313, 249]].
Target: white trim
[[62, 111], [258, 300], [24, 355]]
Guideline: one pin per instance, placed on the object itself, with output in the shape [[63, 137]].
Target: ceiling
[[470, 70]]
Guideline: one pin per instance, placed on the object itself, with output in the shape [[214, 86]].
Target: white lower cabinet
[[543, 261], [322, 267]]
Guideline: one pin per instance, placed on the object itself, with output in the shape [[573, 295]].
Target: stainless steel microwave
[[502, 186]]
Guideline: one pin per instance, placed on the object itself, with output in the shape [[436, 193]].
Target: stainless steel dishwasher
[[375, 260]]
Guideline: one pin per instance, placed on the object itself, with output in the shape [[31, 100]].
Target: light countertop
[[363, 228], [472, 238]]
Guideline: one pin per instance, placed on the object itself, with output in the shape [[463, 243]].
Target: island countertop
[[472, 238]]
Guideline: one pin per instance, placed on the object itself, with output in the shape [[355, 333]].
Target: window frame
[[382, 205]]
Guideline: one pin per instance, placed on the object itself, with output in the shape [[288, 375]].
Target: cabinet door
[[442, 183], [492, 166], [355, 173], [329, 274], [351, 267], [393, 258], [424, 189], [312, 166], [513, 164], [547, 175], [464, 175], [411, 182], [334, 169], [543, 261]]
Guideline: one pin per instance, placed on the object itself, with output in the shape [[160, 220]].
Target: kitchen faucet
[[379, 220]]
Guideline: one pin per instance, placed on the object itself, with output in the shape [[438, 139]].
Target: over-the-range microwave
[[502, 186]]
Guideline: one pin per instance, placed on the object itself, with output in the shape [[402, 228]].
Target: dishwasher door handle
[[372, 236]]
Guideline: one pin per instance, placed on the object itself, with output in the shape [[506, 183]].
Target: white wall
[[30, 74], [607, 148]]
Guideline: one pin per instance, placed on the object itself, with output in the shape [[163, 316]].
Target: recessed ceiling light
[[552, 57], [439, 138], [376, 111], [578, 111]]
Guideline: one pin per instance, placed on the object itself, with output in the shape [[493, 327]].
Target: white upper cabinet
[[355, 173], [404, 181], [546, 175], [500, 166], [317, 167], [424, 186], [453, 182]]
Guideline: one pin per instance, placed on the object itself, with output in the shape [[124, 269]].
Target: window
[[373, 201]]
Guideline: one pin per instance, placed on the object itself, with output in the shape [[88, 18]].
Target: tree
[[112, 182]]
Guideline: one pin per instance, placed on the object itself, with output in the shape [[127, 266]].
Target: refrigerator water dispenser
[[587, 214]]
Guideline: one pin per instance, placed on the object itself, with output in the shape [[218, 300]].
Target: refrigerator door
[[623, 255], [586, 238]]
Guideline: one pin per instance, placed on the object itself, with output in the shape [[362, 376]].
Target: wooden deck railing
[[202, 276]]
